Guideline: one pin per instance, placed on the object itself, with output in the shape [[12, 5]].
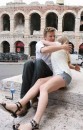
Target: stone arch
[[69, 11], [81, 49], [32, 46], [19, 22], [34, 11], [79, 13], [19, 11], [68, 22], [49, 11], [5, 22], [35, 21], [4, 12], [52, 20], [19, 46], [5, 46]]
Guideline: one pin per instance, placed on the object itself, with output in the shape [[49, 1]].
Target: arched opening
[[52, 20], [19, 47], [81, 49], [33, 48], [5, 22], [81, 22], [34, 23], [72, 51], [19, 22], [81, 17], [5, 47], [68, 23], [81, 27]]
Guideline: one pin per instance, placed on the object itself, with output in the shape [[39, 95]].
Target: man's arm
[[75, 67], [51, 48], [47, 43]]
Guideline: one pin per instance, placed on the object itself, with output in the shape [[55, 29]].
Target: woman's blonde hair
[[63, 39]]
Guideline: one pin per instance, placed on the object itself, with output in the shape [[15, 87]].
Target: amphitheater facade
[[22, 25]]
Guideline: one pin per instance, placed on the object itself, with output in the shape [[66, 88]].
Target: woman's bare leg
[[29, 95], [33, 91], [51, 85]]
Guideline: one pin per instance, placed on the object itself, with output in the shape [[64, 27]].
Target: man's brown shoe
[[34, 103]]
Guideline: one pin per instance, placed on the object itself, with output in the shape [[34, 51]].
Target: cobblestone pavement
[[59, 116]]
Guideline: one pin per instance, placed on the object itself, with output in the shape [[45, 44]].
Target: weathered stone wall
[[76, 37]]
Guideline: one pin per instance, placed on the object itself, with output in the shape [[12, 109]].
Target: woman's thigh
[[54, 83]]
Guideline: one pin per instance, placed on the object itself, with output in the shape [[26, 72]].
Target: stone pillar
[[26, 50], [77, 40], [42, 24], [77, 25], [27, 27], [60, 24], [12, 26], [12, 47], [1, 49]]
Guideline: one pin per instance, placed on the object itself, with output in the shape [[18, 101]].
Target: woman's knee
[[43, 89], [40, 81]]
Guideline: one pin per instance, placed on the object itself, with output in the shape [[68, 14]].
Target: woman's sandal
[[19, 107], [34, 125]]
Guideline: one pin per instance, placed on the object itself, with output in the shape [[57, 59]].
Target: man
[[41, 67]]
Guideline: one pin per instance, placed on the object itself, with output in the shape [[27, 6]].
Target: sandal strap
[[15, 127], [34, 124], [19, 106]]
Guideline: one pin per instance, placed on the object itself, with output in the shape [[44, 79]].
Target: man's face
[[50, 36]]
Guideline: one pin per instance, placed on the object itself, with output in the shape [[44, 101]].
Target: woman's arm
[[75, 67], [71, 66]]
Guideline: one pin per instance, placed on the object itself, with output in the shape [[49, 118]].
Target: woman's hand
[[67, 47], [77, 67]]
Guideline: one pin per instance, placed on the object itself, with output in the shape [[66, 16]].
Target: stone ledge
[[5, 84], [72, 94]]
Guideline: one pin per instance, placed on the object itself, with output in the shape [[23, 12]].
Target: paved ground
[[10, 69], [60, 114]]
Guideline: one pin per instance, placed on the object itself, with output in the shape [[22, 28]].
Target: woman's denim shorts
[[66, 77]]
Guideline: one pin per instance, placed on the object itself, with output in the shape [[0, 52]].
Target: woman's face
[[50, 36]]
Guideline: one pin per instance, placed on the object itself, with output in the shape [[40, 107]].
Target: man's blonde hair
[[63, 39], [49, 29]]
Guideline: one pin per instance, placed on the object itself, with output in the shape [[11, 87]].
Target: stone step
[[72, 94]]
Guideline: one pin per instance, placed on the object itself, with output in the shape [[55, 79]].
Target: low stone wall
[[71, 94]]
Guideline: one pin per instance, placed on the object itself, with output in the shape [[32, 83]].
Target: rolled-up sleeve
[[39, 45]]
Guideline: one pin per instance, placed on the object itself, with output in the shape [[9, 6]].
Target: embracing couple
[[49, 72]]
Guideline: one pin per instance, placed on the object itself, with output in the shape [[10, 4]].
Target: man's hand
[[67, 47]]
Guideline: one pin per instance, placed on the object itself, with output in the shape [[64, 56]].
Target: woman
[[61, 77]]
